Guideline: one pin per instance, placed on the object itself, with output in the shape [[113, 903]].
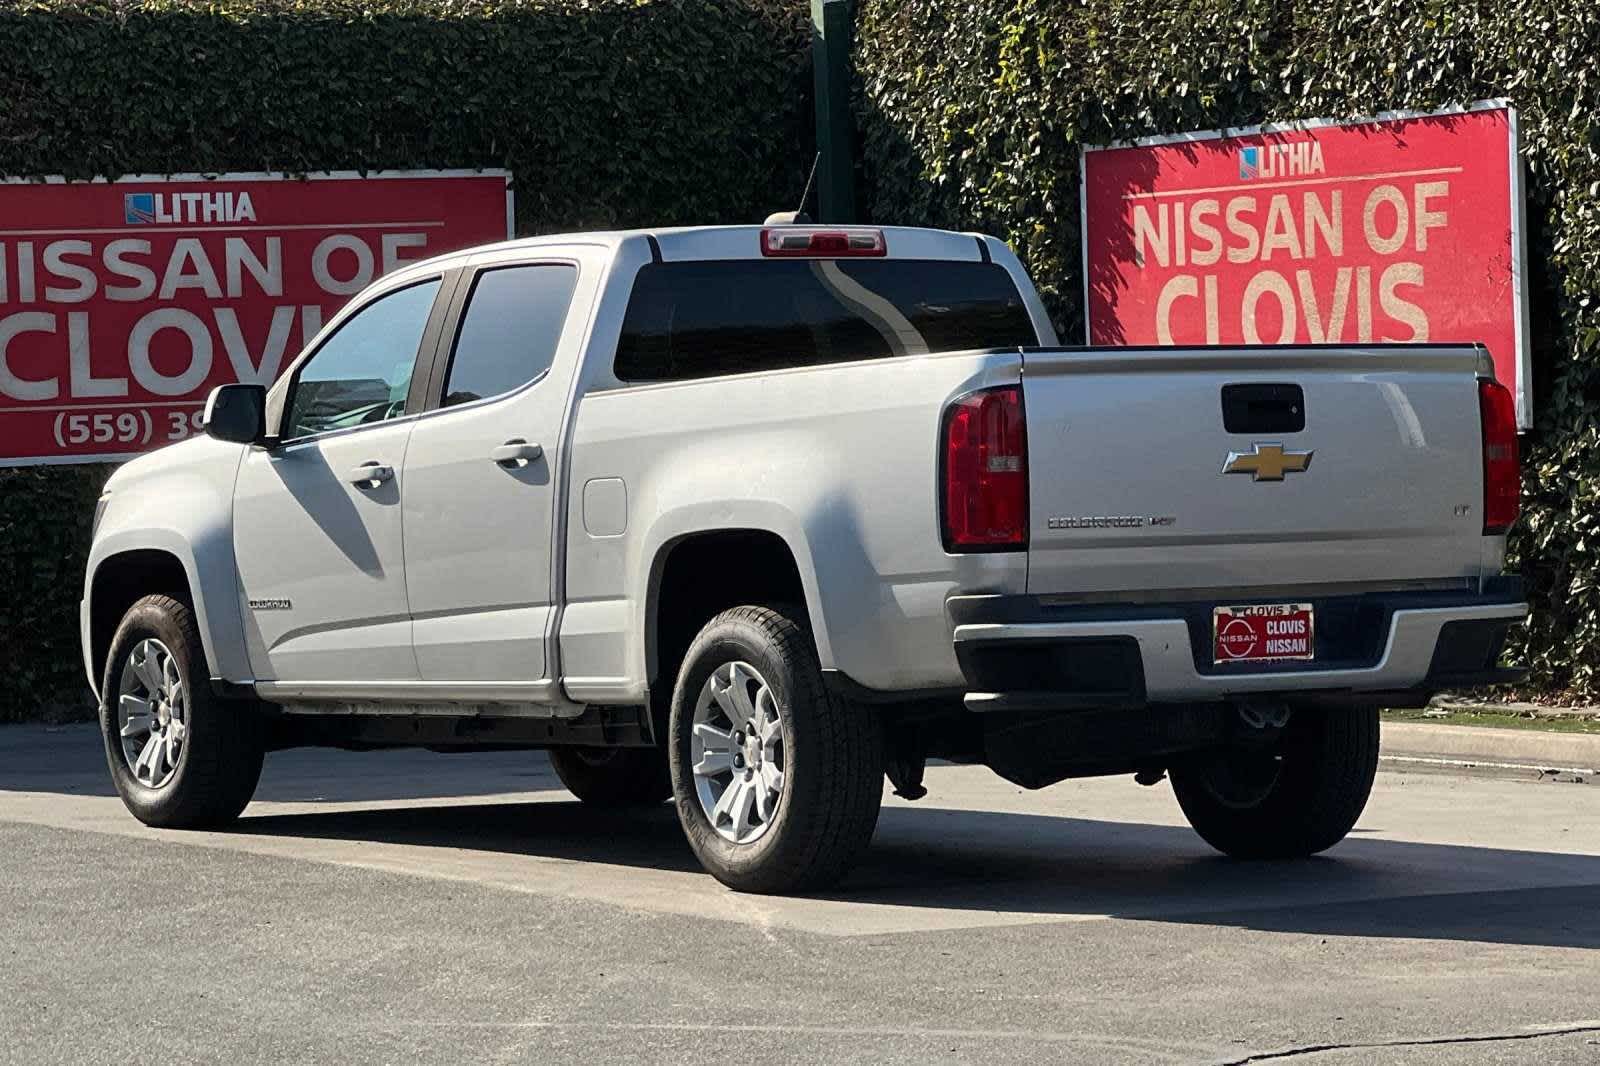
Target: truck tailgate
[[1127, 449]]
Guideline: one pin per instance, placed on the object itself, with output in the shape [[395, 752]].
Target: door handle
[[516, 451], [371, 473]]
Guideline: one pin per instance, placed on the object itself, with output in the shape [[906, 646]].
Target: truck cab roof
[[689, 243]]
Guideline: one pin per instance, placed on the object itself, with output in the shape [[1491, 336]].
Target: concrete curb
[[1483, 746], [1521, 708]]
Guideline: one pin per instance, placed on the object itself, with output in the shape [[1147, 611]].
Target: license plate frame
[[1263, 633]]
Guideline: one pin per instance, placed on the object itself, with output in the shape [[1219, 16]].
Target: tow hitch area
[[1035, 749], [1264, 716]]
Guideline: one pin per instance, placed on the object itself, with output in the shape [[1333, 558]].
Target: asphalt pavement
[[410, 907]]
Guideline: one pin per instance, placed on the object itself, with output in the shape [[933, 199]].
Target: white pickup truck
[[750, 517]]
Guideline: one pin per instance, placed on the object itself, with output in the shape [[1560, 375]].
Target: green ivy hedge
[[45, 514], [608, 113], [972, 115]]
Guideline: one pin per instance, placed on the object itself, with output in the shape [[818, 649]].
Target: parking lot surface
[[406, 907]]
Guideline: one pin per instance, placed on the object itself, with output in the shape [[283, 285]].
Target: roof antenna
[[797, 217]]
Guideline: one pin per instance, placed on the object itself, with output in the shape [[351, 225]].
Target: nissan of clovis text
[[752, 518]]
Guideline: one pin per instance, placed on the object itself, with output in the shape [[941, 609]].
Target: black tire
[[219, 762], [832, 759], [614, 777], [1300, 798]]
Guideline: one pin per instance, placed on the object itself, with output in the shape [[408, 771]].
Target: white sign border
[[1519, 206]]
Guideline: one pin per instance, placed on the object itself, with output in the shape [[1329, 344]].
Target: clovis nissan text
[[750, 518]]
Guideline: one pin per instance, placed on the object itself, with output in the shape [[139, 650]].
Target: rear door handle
[[371, 473], [516, 451]]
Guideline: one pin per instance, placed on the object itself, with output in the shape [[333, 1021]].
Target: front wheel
[[777, 782], [180, 757], [1296, 799]]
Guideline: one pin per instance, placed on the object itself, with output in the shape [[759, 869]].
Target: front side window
[[362, 373], [510, 329], [701, 319]]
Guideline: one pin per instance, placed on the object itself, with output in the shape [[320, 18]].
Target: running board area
[[610, 727], [450, 699]]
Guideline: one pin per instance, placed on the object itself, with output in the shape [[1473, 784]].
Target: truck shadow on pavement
[[1028, 864], [1013, 864], [70, 760]]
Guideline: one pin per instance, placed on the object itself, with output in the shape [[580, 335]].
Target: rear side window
[[509, 330], [694, 320]]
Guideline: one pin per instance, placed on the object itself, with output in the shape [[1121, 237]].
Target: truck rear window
[[702, 319]]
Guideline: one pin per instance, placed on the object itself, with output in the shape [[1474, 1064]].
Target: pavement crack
[[1466, 1038]]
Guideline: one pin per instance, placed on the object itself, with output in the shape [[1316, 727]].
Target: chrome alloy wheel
[[152, 713], [737, 751]]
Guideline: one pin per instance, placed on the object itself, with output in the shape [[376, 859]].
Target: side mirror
[[237, 413]]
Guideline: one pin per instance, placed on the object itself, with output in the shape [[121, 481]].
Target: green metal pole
[[830, 55]]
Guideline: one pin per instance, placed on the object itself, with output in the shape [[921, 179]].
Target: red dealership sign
[[1403, 228], [122, 304]]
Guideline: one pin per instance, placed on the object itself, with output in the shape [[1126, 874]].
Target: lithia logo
[[162, 208], [1281, 160]]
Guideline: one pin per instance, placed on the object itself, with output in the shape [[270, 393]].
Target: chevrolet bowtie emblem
[[1266, 462]]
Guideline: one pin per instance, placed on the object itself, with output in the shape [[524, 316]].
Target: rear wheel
[[777, 782], [180, 758], [1295, 799], [614, 777]]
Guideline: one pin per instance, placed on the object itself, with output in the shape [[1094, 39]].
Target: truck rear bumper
[[1022, 652]]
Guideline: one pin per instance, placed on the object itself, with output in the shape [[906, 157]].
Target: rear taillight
[[798, 242], [1502, 474], [986, 472]]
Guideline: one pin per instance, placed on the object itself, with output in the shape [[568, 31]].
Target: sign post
[[830, 57], [1401, 228], [122, 304]]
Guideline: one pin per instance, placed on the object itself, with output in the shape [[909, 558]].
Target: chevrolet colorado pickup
[[751, 517]]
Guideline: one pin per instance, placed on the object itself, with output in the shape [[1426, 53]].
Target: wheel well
[[119, 582], [703, 575]]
